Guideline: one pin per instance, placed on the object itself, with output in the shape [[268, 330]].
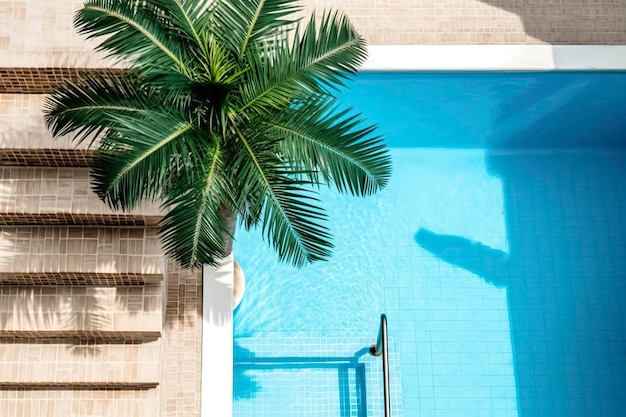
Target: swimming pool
[[498, 252]]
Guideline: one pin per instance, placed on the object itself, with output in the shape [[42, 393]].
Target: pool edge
[[496, 58], [217, 339]]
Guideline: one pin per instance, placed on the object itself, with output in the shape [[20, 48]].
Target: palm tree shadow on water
[[350, 378], [564, 277]]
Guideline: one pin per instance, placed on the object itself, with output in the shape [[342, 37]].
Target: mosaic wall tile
[[80, 249], [181, 343], [59, 364], [103, 403], [46, 196], [63, 310]]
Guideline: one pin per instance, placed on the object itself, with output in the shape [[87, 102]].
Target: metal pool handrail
[[380, 348]]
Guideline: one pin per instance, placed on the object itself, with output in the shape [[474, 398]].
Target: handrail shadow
[[246, 386]]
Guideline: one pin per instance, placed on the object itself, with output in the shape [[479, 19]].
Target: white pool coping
[[217, 340], [496, 58], [217, 328]]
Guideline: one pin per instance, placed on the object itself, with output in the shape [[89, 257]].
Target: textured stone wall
[[485, 21], [39, 48], [39, 32]]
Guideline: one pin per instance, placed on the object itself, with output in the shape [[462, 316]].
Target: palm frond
[[219, 66], [191, 17], [331, 53], [268, 87], [317, 61], [292, 223], [135, 31], [321, 140], [291, 217], [136, 157], [226, 114], [244, 22], [193, 231], [89, 107]]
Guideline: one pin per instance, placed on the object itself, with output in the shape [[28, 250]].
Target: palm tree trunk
[[229, 217]]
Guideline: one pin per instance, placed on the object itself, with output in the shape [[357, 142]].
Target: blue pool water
[[498, 252]]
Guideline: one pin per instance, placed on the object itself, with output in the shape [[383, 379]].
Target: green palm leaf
[[292, 223], [137, 155], [244, 22], [331, 53], [191, 17], [226, 114], [136, 31], [194, 231], [322, 59], [291, 217], [87, 109], [321, 140]]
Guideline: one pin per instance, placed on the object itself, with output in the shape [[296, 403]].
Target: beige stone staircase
[[94, 321]]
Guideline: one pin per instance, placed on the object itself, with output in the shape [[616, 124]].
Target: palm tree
[[225, 115]]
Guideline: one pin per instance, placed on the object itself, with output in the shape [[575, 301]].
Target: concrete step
[[102, 279], [80, 403], [80, 250], [61, 196], [24, 139], [114, 385], [84, 313], [87, 366], [79, 336]]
